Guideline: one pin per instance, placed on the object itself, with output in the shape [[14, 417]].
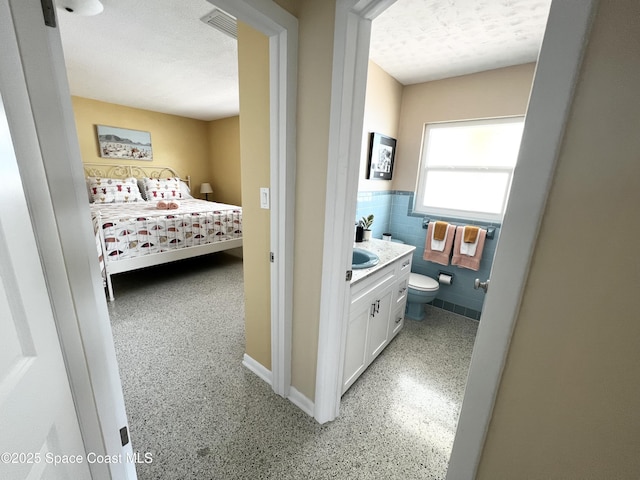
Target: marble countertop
[[387, 251]]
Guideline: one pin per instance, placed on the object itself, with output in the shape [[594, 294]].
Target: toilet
[[422, 290]]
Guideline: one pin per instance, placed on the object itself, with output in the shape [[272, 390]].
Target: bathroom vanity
[[378, 299]]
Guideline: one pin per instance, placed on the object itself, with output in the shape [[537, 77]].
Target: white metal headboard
[[108, 170]]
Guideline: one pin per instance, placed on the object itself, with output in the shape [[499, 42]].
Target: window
[[466, 167]]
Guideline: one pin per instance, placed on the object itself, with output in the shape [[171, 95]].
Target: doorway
[[551, 95], [74, 284]]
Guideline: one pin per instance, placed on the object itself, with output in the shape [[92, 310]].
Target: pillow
[[143, 192], [89, 191], [162, 189], [114, 190], [184, 189]]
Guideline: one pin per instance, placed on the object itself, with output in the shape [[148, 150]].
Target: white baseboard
[[260, 370], [295, 397], [302, 402]]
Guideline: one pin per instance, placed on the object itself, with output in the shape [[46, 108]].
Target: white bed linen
[[136, 229]]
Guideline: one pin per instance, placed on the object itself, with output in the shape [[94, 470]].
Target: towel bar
[[491, 231]]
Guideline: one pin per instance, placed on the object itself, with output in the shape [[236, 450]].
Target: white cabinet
[[376, 315], [368, 325]]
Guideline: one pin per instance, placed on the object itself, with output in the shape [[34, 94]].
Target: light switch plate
[[264, 197]]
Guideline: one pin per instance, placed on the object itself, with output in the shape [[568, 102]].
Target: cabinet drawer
[[367, 285], [402, 289], [396, 321], [404, 265]]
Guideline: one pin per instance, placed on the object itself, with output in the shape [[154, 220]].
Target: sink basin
[[363, 259]]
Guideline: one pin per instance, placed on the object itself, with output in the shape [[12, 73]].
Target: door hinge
[[49, 13], [124, 436], [349, 275], [272, 257]]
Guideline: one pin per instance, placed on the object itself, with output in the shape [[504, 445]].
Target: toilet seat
[[422, 283]]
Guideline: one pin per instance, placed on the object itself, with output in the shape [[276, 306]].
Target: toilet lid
[[422, 282]]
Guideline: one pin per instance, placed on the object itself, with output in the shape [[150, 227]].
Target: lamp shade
[[206, 188], [81, 7]]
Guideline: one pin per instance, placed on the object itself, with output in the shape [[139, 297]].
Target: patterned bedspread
[[135, 229]]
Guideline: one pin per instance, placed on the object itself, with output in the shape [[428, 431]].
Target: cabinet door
[[364, 302], [355, 358], [379, 321]]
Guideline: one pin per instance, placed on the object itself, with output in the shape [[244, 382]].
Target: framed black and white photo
[[382, 151], [117, 142]]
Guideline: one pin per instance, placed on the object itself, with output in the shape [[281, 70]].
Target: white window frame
[[423, 172]]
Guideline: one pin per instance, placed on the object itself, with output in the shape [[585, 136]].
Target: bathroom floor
[[202, 415], [417, 385]]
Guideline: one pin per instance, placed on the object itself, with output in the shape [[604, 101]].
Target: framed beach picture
[[382, 151], [117, 142]]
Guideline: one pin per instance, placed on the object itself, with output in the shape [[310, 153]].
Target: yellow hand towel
[[470, 234], [440, 231]]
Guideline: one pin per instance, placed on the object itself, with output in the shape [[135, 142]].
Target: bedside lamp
[[206, 189]]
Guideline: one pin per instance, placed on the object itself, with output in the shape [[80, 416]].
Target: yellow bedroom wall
[[381, 115], [253, 72], [178, 142], [494, 93], [567, 406], [224, 154]]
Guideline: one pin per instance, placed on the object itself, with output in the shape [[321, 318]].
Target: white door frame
[[550, 100], [282, 29], [547, 114], [349, 82], [34, 386], [38, 107]]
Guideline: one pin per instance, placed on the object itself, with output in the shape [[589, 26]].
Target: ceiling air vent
[[222, 21]]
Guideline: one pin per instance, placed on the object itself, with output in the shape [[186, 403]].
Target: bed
[[132, 232]]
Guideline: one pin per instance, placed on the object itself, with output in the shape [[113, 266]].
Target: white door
[[38, 423]]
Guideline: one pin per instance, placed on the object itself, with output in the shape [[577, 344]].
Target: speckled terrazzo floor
[[202, 415]]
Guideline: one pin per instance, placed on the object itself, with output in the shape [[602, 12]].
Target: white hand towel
[[468, 249], [438, 245]]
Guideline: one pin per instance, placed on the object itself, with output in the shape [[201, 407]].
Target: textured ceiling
[[420, 40], [152, 54], [157, 54]]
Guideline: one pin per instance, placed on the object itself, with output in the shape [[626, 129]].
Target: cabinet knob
[[398, 320]]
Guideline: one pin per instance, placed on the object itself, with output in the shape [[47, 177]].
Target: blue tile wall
[[378, 204], [393, 212]]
